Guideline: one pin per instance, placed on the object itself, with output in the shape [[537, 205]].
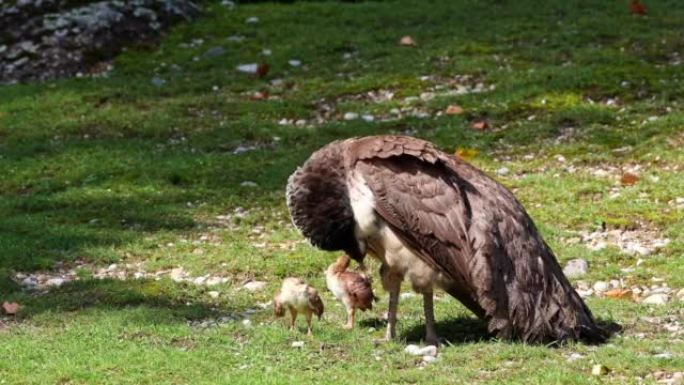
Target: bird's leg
[[392, 313], [308, 322], [293, 312], [350, 317], [428, 306]]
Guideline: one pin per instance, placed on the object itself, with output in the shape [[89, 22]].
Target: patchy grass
[[118, 170]]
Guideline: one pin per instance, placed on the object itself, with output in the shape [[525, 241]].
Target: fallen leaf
[[636, 8], [10, 308], [480, 125], [466, 153], [629, 179], [454, 110], [619, 293], [262, 69], [407, 41]]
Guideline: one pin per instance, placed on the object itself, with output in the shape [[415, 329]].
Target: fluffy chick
[[352, 288], [298, 297]]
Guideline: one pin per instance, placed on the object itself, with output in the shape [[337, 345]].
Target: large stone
[[576, 268], [47, 39]]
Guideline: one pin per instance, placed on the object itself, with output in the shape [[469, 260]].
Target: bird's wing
[[459, 221]]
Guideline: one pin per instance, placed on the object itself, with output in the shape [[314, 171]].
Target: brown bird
[[352, 288], [440, 222], [298, 297]]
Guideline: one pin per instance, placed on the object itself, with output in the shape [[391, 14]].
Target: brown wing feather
[[473, 230]]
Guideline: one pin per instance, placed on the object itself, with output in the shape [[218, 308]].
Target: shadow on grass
[[183, 302], [462, 330]]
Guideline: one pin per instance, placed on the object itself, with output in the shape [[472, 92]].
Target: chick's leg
[[350, 317], [293, 312], [308, 322], [428, 306]]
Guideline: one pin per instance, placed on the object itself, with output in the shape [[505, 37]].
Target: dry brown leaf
[[629, 179], [10, 308], [454, 110], [619, 293], [262, 70], [466, 153], [407, 41], [480, 125], [637, 8]]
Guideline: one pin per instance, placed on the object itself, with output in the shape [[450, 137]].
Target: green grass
[[118, 170]]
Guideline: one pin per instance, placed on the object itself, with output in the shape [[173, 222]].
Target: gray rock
[[576, 268], [254, 286], [600, 286], [55, 282], [214, 52], [503, 171], [656, 299], [416, 350]]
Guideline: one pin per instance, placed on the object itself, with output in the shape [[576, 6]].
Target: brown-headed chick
[[352, 288], [298, 297]]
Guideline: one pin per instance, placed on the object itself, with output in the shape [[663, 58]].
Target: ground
[[170, 172]]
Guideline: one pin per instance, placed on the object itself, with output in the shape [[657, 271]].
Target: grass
[[118, 170]]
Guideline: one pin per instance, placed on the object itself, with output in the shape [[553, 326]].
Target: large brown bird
[[440, 222]]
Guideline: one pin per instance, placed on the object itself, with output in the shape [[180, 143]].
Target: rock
[[406, 295], [199, 280], [250, 68], [599, 370], [297, 344], [503, 171], [665, 355], [615, 284], [294, 62], [429, 359], [427, 96], [214, 52], [157, 81], [252, 20], [368, 118], [213, 294], [247, 322], [178, 274], [576, 268], [55, 282], [655, 299], [600, 286], [350, 116], [52, 39], [249, 183], [574, 357], [212, 281], [407, 41], [416, 350], [680, 295], [254, 286], [30, 282]]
